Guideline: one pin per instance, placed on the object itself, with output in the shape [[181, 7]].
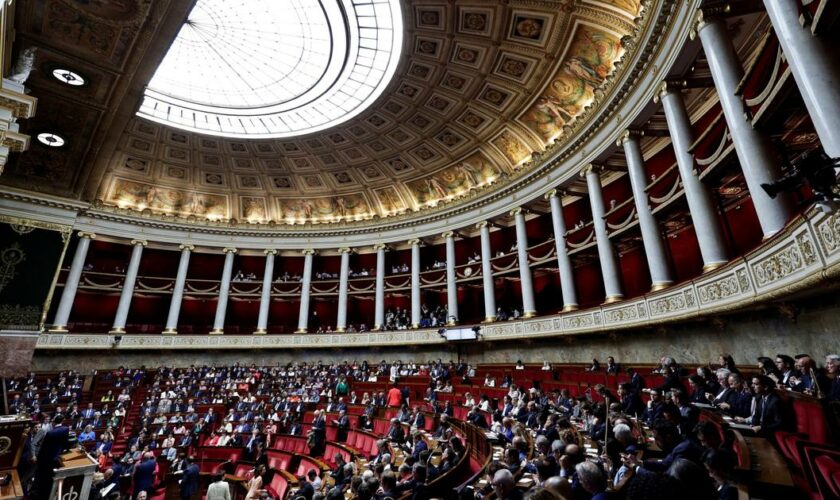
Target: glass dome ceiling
[[269, 68]]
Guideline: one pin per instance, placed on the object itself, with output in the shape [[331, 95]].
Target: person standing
[[54, 443], [189, 482], [218, 489]]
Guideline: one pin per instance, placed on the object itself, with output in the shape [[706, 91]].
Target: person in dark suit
[[720, 464], [55, 442], [144, 475], [395, 433], [318, 434], [189, 482], [766, 417], [342, 423], [676, 446], [418, 420]]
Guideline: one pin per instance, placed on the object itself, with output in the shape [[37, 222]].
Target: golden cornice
[[29, 222]]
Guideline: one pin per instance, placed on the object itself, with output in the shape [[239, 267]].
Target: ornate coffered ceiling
[[481, 86]]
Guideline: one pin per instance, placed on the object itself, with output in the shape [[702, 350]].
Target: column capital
[[85, 234], [414, 242], [270, 251], [185, 246], [139, 242], [667, 86], [229, 250], [593, 168], [629, 135], [448, 234], [345, 250], [518, 210], [706, 15], [380, 246], [482, 224], [308, 251]]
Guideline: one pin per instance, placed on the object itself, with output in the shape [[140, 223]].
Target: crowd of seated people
[[575, 446]]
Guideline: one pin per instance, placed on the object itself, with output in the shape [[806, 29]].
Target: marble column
[[657, 258], [171, 327], [564, 263], [305, 289], [379, 301], [703, 212], [487, 281], [265, 296], [128, 287], [757, 159], [71, 284], [224, 293], [814, 66], [415, 282], [606, 255], [344, 275], [529, 308], [451, 280]]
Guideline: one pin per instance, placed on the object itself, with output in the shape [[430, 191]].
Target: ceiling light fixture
[[51, 140], [69, 77]]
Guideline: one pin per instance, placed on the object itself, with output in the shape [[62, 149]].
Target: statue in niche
[[23, 65]]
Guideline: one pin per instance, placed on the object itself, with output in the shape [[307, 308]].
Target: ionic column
[[344, 274], [68, 295], [487, 280], [305, 286], [703, 212], [813, 63], [754, 154], [415, 282], [178, 291], [606, 255], [128, 287], [451, 284], [657, 258], [224, 293], [529, 308], [564, 264], [265, 297], [379, 306]]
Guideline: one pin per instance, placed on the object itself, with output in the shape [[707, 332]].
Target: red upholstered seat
[[279, 460], [810, 419], [787, 445], [278, 486], [830, 471]]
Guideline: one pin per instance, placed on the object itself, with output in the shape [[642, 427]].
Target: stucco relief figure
[[389, 200], [594, 54], [471, 173], [253, 208], [546, 116], [511, 147]]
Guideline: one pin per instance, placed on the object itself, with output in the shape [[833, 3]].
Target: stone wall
[[764, 331]]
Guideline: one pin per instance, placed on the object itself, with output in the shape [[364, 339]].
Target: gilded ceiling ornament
[[10, 258]]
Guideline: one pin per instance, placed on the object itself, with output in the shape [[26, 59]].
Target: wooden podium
[[73, 479], [12, 440]]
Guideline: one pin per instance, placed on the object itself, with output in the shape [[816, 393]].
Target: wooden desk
[[768, 465], [13, 490]]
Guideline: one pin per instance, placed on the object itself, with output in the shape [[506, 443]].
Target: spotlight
[[816, 169], [442, 332], [116, 341]]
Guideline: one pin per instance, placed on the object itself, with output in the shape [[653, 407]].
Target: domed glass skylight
[[275, 68]]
